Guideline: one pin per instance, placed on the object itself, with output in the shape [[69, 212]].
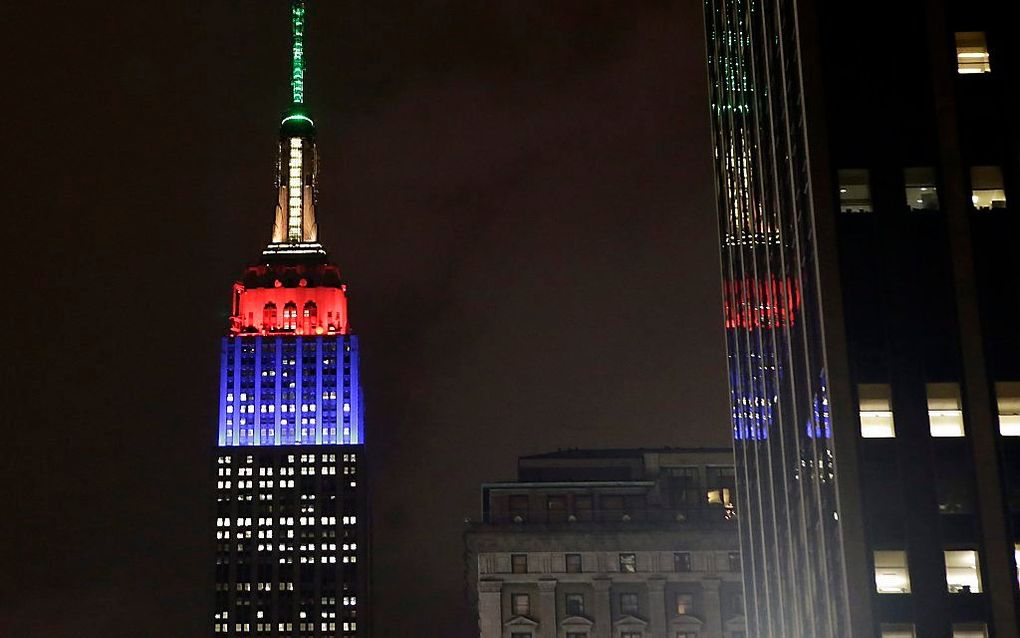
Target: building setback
[[291, 509], [609, 544], [867, 166]]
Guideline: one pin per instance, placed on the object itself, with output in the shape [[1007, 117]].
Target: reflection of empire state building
[[779, 398], [290, 501]]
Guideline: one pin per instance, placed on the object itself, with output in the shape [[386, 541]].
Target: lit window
[[891, 575], [521, 604], [1016, 559], [876, 411], [920, 189], [945, 417], [898, 631], [970, 630], [854, 192], [683, 604], [1007, 394], [963, 575], [628, 563], [972, 53], [987, 191]]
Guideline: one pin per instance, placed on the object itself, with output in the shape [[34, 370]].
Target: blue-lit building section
[[290, 390], [753, 395]]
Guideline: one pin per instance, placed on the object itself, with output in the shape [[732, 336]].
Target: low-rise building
[[637, 543]]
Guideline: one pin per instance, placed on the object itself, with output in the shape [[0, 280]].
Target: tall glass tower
[[865, 153], [291, 511]]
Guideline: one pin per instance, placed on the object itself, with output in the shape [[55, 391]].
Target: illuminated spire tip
[[297, 80]]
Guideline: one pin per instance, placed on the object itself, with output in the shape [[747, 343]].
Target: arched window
[[311, 313], [269, 316], [290, 316]]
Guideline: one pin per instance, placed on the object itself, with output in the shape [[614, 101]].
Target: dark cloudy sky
[[519, 194]]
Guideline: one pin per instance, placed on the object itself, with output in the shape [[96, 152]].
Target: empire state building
[[291, 509]]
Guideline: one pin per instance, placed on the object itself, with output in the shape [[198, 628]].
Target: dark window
[[573, 563], [269, 316], [681, 561], [614, 503], [734, 560], [521, 604], [582, 508], [519, 507], [684, 490], [519, 635], [628, 563], [737, 605], [629, 604], [556, 506], [574, 604], [519, 563]]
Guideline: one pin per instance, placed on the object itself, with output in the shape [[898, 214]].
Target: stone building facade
[[609, 544]]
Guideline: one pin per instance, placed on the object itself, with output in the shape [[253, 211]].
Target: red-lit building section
[[750, 304], [290, 299]]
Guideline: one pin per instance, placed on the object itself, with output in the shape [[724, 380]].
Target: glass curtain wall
[[794, 576]]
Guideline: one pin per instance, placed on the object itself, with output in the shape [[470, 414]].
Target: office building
[[609, 544], [291, 509], [867, 171]]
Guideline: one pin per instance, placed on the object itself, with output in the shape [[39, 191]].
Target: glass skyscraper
[[864, 158], [291, 510]]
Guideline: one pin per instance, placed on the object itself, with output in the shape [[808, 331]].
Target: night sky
[[518, 193]]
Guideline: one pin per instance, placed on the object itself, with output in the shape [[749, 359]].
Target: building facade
[[867, 161], [291, 508], [609, 544]]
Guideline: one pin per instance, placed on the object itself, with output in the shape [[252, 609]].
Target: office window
[[945, 415], [986, 187], [629, 604], [519, 563], [518, 506], [970, 630], [519, 635], [898, 631], [574, 604], [1007, 395], [876, 411], [681, 561], [521, 604], [583, 508], [691, 634], [573, 563], [733, 560], [963, 574], [556, 506], [574, 634], [972, 53], [854, 191], [683, 604], [920, 189], [891, 575], [628, 563], [630, 634]]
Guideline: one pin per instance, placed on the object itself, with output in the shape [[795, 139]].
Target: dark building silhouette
[[868, 185], [291, 505]]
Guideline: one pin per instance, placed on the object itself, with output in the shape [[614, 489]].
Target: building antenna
[[297, 77]]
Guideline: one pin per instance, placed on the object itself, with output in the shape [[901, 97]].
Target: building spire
[[297, 78], [295, 232]]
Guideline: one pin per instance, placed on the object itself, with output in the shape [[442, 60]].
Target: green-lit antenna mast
[[297, 79]]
